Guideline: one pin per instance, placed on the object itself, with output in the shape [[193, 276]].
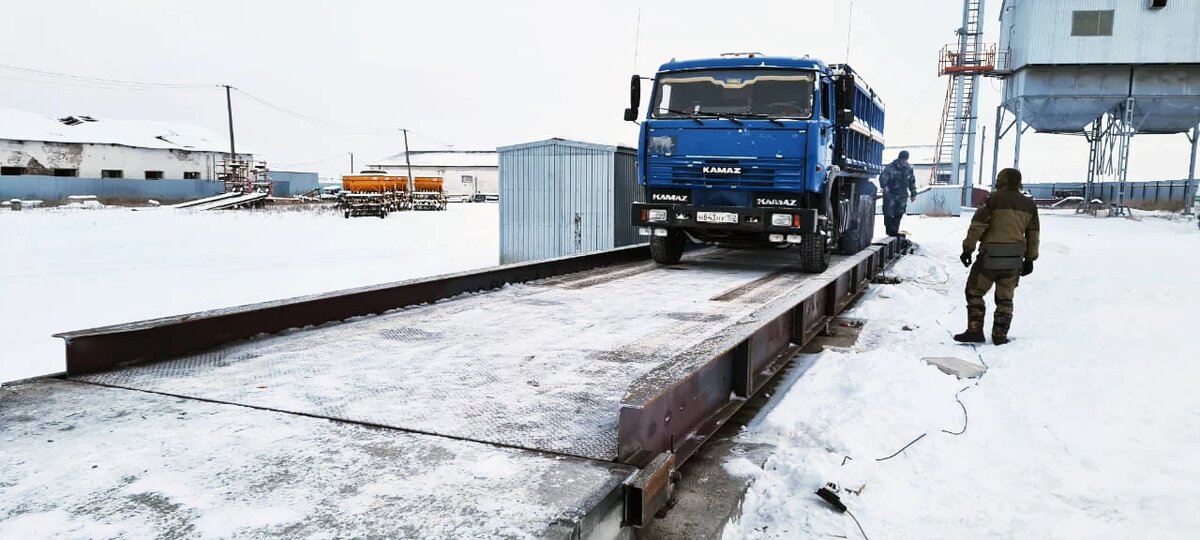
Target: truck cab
[[747, 150]]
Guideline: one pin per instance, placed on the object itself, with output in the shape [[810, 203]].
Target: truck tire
[[851, 241], [814, 255], [667, 249]]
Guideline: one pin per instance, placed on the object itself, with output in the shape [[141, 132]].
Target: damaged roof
[[21, 125]]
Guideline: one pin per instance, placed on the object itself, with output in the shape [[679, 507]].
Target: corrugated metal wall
[[937, 201], [627, 192], [561, 197], [292, 183], [55, 188], [1039, 32]]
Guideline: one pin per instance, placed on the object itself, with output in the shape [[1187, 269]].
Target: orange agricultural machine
[[376, 193]]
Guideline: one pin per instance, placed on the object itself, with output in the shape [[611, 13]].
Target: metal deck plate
[[541, 365], [82, 461]]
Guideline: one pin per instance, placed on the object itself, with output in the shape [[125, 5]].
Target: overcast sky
[[477, 75]]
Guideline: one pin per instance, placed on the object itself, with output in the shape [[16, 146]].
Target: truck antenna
[[637, 36], [849, 22]]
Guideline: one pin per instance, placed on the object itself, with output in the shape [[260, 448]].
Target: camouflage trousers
[[979, 282]]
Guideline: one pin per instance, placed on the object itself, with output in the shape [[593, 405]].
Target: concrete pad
[[958, 367]]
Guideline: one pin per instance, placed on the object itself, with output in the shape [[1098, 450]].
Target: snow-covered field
[[72, 269], [1086, 426]]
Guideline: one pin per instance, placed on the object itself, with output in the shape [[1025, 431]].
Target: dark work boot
[[1000, 329], [974, 333]]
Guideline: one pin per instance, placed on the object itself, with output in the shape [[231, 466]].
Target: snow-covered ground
[[1086, 426], [72, 269]]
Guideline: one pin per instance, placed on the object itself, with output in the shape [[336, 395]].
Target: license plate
[[717, 217]]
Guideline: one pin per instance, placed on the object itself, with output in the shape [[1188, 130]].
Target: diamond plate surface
[[540, 366], [81, 461]]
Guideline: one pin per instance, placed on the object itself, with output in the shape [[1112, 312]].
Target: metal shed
[[560, 197]]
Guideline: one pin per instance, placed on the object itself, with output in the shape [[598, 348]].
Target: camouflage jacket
[[898, 181], [1007, 217]]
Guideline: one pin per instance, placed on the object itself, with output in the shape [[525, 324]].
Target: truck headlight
[[656, 215], [781, 220]]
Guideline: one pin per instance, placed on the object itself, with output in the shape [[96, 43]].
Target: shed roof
[[443, 158], [568, 143], [22, 125]]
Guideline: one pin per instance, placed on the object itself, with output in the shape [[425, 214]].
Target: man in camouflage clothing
[[1007, 230], [897, 181]]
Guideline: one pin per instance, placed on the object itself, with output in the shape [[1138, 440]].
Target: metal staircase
[[963, 62]]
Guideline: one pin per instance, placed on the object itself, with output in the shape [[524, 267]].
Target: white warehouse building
[[465, 173], [88, 147]]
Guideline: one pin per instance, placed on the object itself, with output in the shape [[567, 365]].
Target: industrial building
[[467, 174], [48, 158], [1102, 69], [90, 147]]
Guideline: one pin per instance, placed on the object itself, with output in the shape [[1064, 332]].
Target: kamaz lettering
[[810, 132]]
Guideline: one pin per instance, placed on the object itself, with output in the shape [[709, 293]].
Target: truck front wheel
[[814, 254], [667, 249]]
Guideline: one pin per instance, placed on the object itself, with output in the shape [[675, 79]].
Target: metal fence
[[1155, 195], [55, 188]]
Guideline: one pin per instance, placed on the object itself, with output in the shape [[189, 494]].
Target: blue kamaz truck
[[747, 150]]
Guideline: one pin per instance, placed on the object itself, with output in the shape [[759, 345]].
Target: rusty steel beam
[[109, 347], [677, 406]]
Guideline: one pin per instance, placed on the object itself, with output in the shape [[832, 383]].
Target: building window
[[66, 172], [1092, 23], [468, 179], [112, 173], [191, 175], [154, 175], [12, 171]]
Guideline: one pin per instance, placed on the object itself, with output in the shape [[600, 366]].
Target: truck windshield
[[748, 93]]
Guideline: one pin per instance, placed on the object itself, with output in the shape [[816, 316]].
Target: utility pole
[[229, 109], [408, 163], [351, 162]]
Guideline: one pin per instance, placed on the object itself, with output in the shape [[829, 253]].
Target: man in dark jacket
[[1007, 230], [899, 185]]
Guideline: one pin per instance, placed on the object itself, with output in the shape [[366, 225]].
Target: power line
[[79, 81], [289, 112], [367, 130], [106, 81], [109, 87]]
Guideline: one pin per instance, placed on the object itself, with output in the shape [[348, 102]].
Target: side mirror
[[845, 117], [635, 98]]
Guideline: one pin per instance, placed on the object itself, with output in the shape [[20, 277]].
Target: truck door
[[827, 109]]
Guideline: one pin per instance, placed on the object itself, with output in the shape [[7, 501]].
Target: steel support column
[[996, 144], [1020, 130], [1190, 192]]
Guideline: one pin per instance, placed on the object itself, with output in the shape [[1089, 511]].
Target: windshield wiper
[[766, 117], [692, 116], [722, 116]]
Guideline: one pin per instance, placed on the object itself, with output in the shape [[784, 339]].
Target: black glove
[[965, 258], [1027, 268]]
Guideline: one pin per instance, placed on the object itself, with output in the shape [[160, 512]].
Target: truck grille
[[755, 173]]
